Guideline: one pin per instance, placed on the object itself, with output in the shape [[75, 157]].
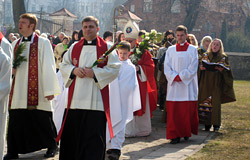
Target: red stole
[[1, 37], [101, 47], [32, 90], [147, 64], [180, 48]]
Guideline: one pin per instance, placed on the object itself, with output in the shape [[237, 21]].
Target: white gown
[[5, 85], [124, 101], [60, 103], [7, 48]]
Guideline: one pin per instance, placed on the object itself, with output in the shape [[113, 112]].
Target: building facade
[[204, 16]]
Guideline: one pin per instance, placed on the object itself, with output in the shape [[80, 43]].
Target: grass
[[233, 140]]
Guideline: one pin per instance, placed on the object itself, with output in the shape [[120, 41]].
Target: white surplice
[[87, 94], [47, 80], [124, 101], [59, 103], [5, 85], [184, 64], [7, 48]]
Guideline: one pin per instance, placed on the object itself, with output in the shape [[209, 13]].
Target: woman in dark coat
[[215, 87]]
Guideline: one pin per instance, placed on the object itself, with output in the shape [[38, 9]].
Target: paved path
[[153, 147]]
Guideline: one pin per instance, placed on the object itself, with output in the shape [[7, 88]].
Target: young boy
[[124, 100]]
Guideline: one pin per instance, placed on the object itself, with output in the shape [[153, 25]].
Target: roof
[[128, 15], [63, 12]]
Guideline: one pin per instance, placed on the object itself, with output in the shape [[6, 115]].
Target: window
[[176, 6], [132, 8], [148, 6]]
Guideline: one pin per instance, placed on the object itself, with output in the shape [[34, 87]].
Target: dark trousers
[[30, 130], [84, 136]]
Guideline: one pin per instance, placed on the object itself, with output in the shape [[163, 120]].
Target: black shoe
[[186, 138], [175, 141], [207, 127], [216, 128], [114, 154], [10, 156], [51, 152]]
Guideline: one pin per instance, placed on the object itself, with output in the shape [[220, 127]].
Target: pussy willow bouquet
[[103, 57]]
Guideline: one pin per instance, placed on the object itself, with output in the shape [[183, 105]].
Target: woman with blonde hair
[[215, 86], [204, 46], [193, 40]]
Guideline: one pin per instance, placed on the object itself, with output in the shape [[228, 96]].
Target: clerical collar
[[182, 47], [27, 38], [182, 44], [93, 42]]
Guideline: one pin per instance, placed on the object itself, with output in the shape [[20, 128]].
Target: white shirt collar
[[182, 44]]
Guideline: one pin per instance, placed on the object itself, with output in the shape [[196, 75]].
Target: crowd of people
[[83, 94]]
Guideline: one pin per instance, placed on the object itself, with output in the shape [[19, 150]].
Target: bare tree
[[18, 9], [192, 9]]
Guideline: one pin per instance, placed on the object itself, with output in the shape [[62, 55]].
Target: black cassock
[[30, 130], [84, 135]]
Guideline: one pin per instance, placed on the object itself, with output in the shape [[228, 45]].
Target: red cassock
[[147, 64]]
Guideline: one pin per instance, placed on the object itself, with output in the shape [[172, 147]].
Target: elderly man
[[59, 38], [141, 124]]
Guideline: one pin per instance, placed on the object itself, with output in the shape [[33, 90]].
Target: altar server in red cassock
[[84, 127], [141, 124], [180, 68]]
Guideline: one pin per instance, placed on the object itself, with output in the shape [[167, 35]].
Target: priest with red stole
[[6, 46], [83, 132], [33, 87], [141, 124], [180, 68]]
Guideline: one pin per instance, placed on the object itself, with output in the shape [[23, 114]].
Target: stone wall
[[240, 64]]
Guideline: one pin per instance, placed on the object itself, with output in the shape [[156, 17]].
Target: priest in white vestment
[[124, 100], [180, 68], [35, 84], [6, 46], [5, 84], [83, 132]]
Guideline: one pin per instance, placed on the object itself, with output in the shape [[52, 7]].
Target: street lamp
[[114, 25]]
